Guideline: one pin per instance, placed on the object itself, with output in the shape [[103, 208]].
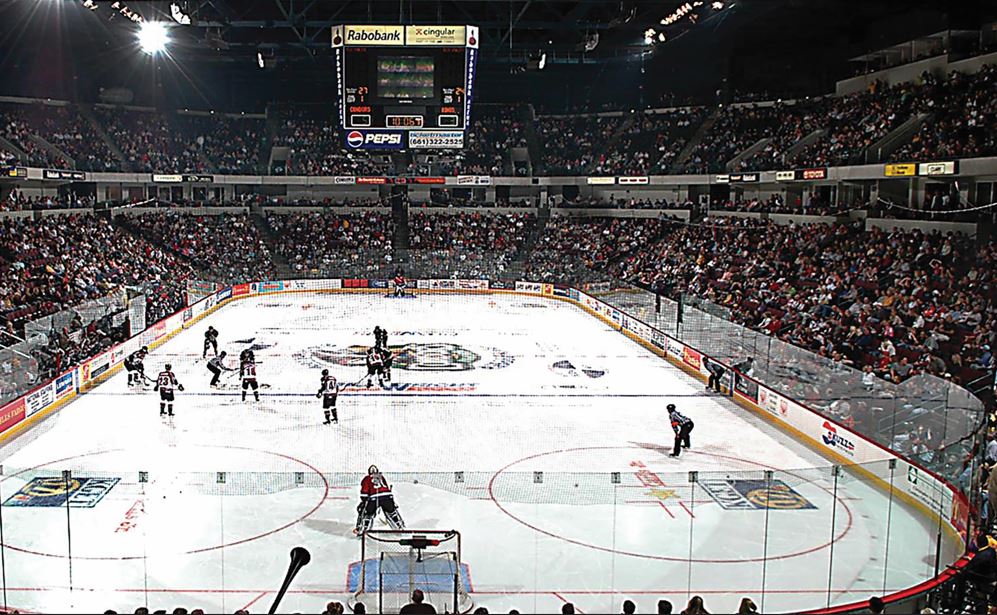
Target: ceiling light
[[153, 37]]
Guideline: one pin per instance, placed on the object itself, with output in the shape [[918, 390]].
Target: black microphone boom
[[299, 559]]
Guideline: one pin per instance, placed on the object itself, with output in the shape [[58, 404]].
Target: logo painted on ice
[[832, 439], [438, 357], [570, 370]]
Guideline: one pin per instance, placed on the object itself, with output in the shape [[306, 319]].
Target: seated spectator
[[417, 605], [695, 607]]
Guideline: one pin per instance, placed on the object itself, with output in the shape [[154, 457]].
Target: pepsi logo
[[354, 139]]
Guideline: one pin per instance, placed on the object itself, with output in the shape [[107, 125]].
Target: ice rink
[[531, 427]]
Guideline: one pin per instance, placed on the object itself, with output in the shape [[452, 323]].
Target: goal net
[[394, 563]]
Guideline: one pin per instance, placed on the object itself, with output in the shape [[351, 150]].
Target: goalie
[[400, 284], [375, 494]]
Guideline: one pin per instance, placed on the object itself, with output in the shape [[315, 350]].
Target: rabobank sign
[[374, 35]]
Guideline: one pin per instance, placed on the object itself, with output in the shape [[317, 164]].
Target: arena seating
[[227, 247], [322, 243], [872, 296], [957, 120]]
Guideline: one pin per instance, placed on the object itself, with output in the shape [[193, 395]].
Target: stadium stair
[[797, 148], [9, 146], [53, 150], [895, 139], [121, 222], [86, 111], [751, 150], [529, 119], [610, 144], [517, 265], [270, 237], [695, 140]]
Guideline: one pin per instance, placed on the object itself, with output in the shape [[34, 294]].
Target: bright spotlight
[[153, 37], [543, 61], [718, 6], [259, 60]]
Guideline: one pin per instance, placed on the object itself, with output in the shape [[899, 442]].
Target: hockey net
[[394, 563]]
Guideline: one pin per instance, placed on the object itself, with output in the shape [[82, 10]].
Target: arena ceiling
[[85, 45]]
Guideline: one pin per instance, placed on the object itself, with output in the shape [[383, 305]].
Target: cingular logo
[[832, 439]]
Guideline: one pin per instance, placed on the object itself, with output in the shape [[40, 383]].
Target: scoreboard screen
[[404, 86]]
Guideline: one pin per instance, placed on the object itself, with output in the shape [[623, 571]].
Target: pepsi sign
[[371, 139]]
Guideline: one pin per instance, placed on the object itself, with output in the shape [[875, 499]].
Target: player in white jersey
[[327, 392], [165, 383], [247, 371]]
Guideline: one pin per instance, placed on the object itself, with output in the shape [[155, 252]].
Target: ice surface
[[487, 392]]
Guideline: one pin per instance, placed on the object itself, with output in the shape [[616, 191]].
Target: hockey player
[[375, 493], [375, 367], [134, 366], [210, 341], [216, 367], [247, 371], [165, 383], [327, 392], [400, 284], [387, 358], [246, 355], [682, 426], [380, 338]]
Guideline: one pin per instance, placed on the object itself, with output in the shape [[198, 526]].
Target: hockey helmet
[[325, 372], [168, 367], [145, 349], [670, 407], [373, 470], [222, 354]]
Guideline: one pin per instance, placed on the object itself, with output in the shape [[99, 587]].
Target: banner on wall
[[39, 399], [11, 414]]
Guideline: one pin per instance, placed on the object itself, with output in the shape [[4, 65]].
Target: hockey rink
[[531, 427]]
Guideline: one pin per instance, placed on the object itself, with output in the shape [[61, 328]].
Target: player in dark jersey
[[375, 367], [247, 371], [216, 367], [247, 355], [134, 366], [166, 382], [375, 494], [380, 338], [210, 341], [328, 392], [387, 359], [682, 426]]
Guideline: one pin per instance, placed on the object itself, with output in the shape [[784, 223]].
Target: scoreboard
[[404, 86]]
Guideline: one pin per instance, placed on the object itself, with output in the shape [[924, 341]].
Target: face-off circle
[[547, 494], [161, 510]]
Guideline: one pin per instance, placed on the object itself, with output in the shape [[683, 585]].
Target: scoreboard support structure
[[404, 86]]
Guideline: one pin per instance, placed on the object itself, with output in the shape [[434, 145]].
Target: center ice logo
[[440, 357], [832, 439]]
